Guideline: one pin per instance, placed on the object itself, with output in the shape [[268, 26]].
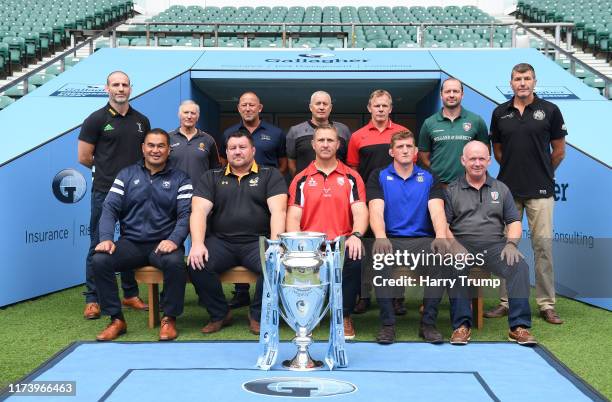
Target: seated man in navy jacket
[[152, 203]]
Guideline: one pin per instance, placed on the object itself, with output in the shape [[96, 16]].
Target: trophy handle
[[262, 256]]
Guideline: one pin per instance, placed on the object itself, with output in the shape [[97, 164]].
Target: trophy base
[[295, 365]]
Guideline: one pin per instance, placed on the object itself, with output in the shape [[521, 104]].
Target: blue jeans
[[128, 282], [517, 281]]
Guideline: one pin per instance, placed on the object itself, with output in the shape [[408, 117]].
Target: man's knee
[[173, 261], [101, 262]]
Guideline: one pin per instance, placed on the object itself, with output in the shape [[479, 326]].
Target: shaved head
[[475, 146]]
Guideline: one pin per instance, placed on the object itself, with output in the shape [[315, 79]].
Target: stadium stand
[[314, 26], [591, 33], [29, 31]]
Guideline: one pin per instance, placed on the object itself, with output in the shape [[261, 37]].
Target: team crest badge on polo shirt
[[136, 182], [389, 178], [265, 137], [539, 114], [201, 146], [139, 127], [420, 178], [254, 182], [340, 181], [467, 126], [494, 195], [312, 182], [108, 127], [166, 184]]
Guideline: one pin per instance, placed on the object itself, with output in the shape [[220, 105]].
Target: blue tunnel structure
[[44, 203]]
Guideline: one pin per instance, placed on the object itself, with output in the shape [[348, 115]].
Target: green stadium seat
[[564, 63], [166, 42], [138, 42], [17, 50], [17, 91], [40, 79], [595, 82], [5, 101], [102, 44]]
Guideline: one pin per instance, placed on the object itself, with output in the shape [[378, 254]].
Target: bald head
[[475, 146], [476, 159]]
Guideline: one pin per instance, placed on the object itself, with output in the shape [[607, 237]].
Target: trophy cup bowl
[[303, 290]]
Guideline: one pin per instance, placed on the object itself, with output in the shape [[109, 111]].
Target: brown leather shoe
[[349, 329], [112, 331], [522, 336], [362, 306], [135, 303], [399, 308], [497, 312], [253, 326], [167, 329], [461, 336], [551, 316], [215, 326], [92, 311]]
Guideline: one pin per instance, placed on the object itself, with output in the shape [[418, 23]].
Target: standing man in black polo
[[269, 141], [242, 202], [151, 201], [299, 137], [110, 139], [528, 135], [193, 150]]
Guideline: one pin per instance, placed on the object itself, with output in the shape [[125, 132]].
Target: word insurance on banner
[[543, 92], [72, 90]]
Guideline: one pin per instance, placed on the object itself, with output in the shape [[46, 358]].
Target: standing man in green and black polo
[[110, 139], [444, 134]]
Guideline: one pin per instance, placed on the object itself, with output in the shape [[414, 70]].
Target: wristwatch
[[357, 235]]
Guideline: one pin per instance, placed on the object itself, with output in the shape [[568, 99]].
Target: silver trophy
[[303, 274]]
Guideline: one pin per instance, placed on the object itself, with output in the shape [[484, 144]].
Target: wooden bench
[[478, 301], [153, 277]]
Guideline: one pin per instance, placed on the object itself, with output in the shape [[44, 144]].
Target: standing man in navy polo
[[299, 137], [231, 209], [329, 197], [110, 139], [269, 142], [193, 150], [444, 134], [403, 204], [151, 201], [528, 135], [369, 150]]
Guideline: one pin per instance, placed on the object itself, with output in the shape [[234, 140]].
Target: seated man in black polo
[[152, 202], [244, 201], [478, 210]]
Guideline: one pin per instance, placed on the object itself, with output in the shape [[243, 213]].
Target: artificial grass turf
[[33, 331]]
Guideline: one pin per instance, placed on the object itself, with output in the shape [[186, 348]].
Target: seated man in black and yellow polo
[[232, 208]]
